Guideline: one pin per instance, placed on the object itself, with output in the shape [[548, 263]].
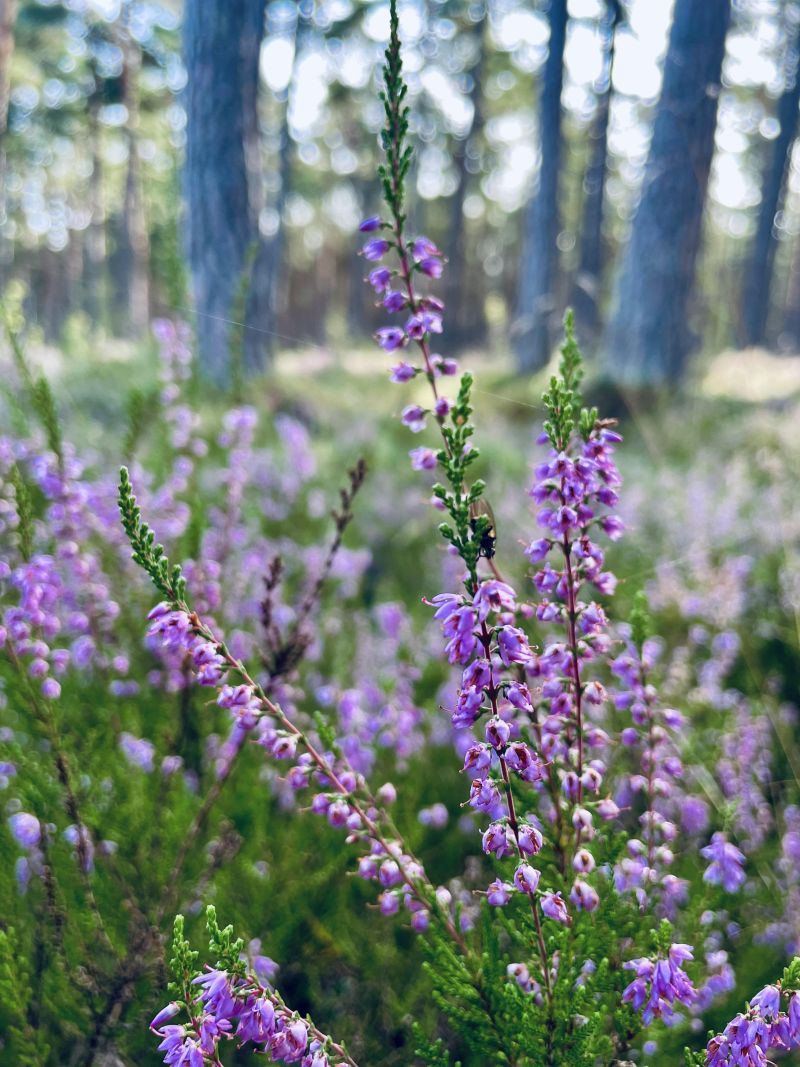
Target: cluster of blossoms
[[660, 984], [343, 798], [651, 737], [764, 1028], [241, 1009]]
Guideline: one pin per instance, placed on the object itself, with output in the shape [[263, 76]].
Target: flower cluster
[[763, 1028], [650, 737], [236, 1006], [660, 984]]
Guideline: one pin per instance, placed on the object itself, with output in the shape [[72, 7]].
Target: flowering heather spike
[[228, 1002], [144, 550]]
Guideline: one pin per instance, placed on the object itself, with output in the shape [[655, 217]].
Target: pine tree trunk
[[649, 340], [94, 252], [757, 282], [8, 15], [465, 315], [533, 328], [221, 37], [134, 275], [587, 284]]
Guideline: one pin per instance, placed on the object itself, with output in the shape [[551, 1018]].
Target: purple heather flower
[[499, 840], [380, 278], [526, 878], [423, 246], [554, 907], [51, 690], [167, 1013], [422, 323], [25, 829], [423, 459], [414, 417], [403, 372], [583, 895], [375, 248], [494, 595], [499, 893], [431, 266], [530, 839], [393, 300], [371, 224], [727, 864], [497, 732], [513, 646], [767, 1002], [390, 338], [139, 752]]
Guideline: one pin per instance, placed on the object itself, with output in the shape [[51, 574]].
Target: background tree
[[587, 283], [759, 268], [220, 37], [649, 337], [532, 330]]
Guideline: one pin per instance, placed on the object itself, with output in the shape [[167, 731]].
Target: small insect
[[481, 510]]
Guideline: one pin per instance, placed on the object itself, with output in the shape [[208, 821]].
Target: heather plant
[[571, 808], [575, 948]]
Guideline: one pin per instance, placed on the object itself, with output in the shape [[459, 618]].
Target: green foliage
[[183, 960], [36, 387], [468, 531], [398, 154], [22, 499], [22, 1042], [226, 948], [141, 409], [641, 623], [145, 551], [790, 982]]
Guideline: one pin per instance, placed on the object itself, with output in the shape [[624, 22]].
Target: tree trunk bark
[[135, 274], [465, 315], [221, 37], [587, 284], [8, 15], [757, 282], [648, 340], [532, 330], [95, 246]]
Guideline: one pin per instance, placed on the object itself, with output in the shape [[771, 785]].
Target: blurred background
[[631, 158]]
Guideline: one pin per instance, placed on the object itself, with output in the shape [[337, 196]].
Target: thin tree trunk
[[587, 285], [759, 269], [95, 246], [135, 266], [648, 340], [532, 331], [221, 37], [8, 15], [791, 312], [467, 322]]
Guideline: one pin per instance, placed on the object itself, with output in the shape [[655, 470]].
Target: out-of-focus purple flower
[[138, 751], [375, 248], [370, 224], [403, 372], [380, 279], [727, 863], [390, 338], [25, 829], [414, 417], [555, 907], [423, 459]]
